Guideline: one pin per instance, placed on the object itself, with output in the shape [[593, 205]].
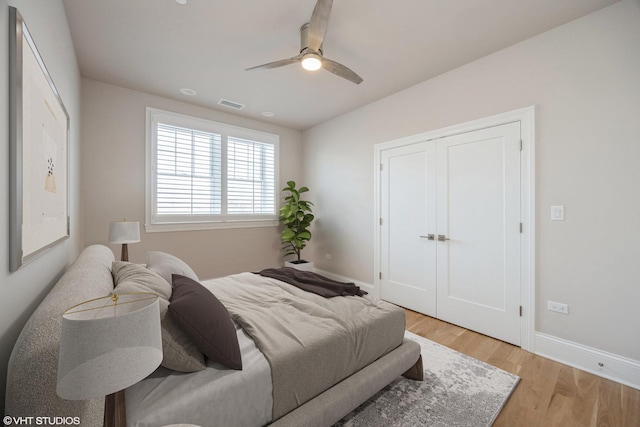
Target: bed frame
[[33, 365]]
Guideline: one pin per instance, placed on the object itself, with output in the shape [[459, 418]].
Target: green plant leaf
[[304, 235], [287, 234]]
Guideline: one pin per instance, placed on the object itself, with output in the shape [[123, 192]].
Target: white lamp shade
[[124, 232], [105, 349]]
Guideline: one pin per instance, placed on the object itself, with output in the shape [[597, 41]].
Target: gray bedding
[[217, 396], [310, 342]]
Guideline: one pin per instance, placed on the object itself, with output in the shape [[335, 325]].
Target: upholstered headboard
[[33, 365]]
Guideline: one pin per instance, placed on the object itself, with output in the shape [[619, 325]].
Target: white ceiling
[[160, 46]]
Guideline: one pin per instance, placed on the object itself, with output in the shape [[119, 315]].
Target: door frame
[[526, 117]]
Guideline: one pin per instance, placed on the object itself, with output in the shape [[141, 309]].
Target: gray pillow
[[166, 264], [179, 352], [140, 279]]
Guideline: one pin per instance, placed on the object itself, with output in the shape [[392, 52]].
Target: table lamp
[[124, 232], [106, 345]]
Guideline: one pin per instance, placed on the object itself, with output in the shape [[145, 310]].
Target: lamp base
[[115, 414], [124, 256]]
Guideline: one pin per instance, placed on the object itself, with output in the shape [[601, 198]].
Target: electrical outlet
[[558, 307]]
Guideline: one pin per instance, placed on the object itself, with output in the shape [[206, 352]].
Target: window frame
[[156, 223]]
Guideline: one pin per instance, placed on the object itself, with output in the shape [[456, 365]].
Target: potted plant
[[296, 218]]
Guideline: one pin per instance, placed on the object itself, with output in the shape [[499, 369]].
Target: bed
[[273, 387]]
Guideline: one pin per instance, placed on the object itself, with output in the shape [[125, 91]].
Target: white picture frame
[[38, 150]]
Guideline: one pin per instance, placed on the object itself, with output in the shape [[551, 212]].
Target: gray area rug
[[457, 390]]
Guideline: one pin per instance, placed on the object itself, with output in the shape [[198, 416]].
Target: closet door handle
[[442, 238], [429, 237]]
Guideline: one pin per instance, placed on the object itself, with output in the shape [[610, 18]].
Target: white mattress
[[224, 397]]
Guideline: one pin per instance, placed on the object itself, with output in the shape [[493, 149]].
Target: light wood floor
[[549, 393]]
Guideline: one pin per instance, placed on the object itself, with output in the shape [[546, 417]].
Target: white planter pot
[[304, 266]]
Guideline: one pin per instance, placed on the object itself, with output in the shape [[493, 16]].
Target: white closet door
[[408, 217], [478, 260]]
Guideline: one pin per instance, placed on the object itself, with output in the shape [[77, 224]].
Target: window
[[203, 174]]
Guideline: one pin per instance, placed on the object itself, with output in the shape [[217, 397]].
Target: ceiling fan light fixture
[[311, 55], [311, 62]]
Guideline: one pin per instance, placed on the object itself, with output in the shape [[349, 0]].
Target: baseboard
[[614, 367], [363, 285]]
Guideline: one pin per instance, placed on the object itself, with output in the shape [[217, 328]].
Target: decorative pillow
[[206, 320], [141, 279], [178, 350], [166, 264]]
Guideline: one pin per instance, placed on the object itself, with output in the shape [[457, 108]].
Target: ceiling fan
[[311, 37]]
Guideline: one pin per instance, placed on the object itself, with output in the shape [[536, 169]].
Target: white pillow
[[165, 265]]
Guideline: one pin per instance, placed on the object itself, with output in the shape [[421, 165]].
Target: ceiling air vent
[[231, 104]]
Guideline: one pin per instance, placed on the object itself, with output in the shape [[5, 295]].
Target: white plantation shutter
[[203, 174], [189, 172], [250, 177]]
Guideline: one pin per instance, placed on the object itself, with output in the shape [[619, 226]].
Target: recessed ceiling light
[[187, 91], [268, 114], [181, 1]]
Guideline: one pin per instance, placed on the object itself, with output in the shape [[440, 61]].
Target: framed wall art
[[38, 150]]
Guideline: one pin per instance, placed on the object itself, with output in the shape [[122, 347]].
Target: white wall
[[22, 291], [113, 171], [584, 80]]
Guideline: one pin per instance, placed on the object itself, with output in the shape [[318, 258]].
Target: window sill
[[195, 226]]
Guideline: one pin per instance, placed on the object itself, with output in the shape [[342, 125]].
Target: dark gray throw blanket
[[312, 282]]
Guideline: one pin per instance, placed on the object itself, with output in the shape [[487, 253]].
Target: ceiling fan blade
[[276, 64], [341, 70], [318, 23]]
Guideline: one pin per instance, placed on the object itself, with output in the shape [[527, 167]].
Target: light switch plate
[[557, 213]]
